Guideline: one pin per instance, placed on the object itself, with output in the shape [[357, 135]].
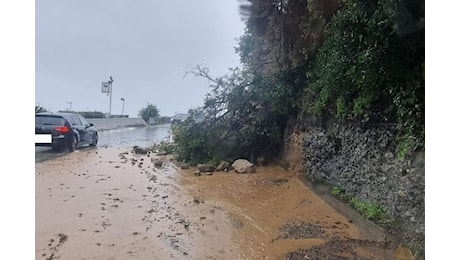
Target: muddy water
[[108, 203], [141, 136]]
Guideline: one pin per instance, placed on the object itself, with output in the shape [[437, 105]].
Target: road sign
[[105, 87]]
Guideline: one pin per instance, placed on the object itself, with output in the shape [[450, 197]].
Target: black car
[[67, 130]]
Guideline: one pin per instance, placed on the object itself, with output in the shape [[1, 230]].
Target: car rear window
[[49, 120]]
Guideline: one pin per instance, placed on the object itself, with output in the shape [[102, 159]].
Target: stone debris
[[243, 166]]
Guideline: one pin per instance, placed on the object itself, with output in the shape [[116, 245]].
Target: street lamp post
[[123, 107], [70, 103]]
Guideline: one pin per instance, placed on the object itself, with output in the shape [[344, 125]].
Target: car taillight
[[63, 129]]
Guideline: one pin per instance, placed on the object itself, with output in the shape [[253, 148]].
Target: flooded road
[[130, 136], [141, 136], [109, 203]]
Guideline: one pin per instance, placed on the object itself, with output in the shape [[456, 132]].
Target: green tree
[[245, 115], [357, 67], [39, 109], [150, 111]]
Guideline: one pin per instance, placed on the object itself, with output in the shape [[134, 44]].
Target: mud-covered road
[[109, 203]]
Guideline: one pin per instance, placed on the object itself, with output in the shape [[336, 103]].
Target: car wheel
[[72, 144], [95, 139]]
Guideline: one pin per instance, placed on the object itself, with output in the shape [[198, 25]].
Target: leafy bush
[[372, 211], [190, 140], [167, 147]]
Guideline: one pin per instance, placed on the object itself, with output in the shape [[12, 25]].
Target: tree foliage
[[353, 60], [239, 118], [190, 139], [150, 111], [39, 109], [365, 70]]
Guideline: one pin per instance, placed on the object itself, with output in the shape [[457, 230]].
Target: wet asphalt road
[[141, 136]]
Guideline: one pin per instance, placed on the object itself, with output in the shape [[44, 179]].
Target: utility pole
[[110, 89]]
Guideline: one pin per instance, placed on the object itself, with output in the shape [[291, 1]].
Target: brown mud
[[108, 203]]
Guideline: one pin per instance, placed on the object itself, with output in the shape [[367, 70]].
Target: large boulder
[[205, 167], [243, 166], [222, 166]]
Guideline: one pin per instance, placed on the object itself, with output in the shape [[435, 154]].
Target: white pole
[[110, 89], [123, 107], [110, 103]]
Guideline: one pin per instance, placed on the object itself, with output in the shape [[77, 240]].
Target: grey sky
[[145, 45]]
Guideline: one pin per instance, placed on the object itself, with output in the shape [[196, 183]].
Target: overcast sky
[[145, 45]]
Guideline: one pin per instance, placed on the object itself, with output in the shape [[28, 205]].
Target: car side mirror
[[91, 124]]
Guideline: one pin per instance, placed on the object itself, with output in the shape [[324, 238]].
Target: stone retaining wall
[[365, 163]]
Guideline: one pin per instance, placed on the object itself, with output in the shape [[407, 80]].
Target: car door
[[81, 128], [89, 131]]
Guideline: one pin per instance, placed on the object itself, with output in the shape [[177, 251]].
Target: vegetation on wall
[[365, 71], [371, 210]]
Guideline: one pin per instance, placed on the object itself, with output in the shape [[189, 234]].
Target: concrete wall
[[115, 123]]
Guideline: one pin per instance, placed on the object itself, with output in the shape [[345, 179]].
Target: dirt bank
[[107, 203]]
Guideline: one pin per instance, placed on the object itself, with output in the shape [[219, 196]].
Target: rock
[[389, 156], [243, 166], [139, 150], [364, 161], [157, 162], [205, 167], [162, 152], [198, 200], [222, 166], [197, 173], [184, 166]]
